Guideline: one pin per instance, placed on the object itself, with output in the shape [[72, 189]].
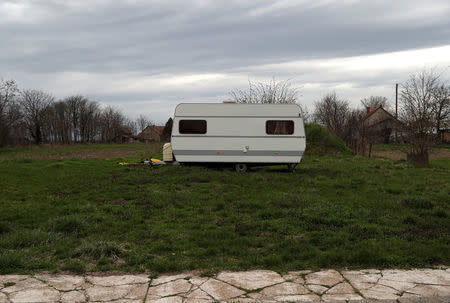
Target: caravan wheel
[[291, 167], [240, 167]]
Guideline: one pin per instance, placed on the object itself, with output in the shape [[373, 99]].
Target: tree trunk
[[418, 159]]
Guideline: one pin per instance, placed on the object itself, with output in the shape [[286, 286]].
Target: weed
[[8, 284]]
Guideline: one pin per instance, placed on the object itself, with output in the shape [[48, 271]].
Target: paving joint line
[[150, 279], [356, 290]]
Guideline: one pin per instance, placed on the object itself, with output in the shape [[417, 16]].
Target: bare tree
[[35, 104], [306, 115], [441, 106], [89, 120], [418, 113], [142, 122], [281, 92], [131, 125], [376, 101], [10, 115], [61, 123], [112, 122], [332, 112], [75, 105]]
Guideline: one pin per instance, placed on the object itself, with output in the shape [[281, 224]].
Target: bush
[[319, 140]]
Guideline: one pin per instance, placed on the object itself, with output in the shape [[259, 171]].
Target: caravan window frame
[[290, 129], [202, 130]]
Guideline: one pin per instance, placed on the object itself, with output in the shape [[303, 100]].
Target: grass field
[[72, 208]]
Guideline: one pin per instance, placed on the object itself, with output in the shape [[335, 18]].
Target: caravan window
[[192, 127], [279, 127]]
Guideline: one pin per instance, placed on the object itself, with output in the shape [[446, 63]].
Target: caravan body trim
[[236, 133]]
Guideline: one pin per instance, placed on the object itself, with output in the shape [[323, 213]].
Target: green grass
[[88, 150], [334, 211]]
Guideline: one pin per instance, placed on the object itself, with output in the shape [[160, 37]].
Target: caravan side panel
[[240, 137]]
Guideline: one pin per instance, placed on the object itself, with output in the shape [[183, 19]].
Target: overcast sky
[[147, 56]]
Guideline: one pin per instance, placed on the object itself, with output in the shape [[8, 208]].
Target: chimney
[[367, 110]]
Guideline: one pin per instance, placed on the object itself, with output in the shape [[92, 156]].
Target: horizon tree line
[[35, 116], [424, 110]]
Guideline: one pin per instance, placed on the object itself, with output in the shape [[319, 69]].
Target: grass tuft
[[74, 266], [27, 238], [417, 203], [11, 261], [100, 249], [68, 225]]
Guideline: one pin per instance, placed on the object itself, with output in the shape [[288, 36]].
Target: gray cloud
[[112, 50]]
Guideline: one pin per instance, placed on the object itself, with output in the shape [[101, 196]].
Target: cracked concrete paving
[[389, 286]]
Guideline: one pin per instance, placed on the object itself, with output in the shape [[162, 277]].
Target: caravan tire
[[240, 167]]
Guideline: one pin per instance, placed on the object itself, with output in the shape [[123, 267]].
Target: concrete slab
[[294, 277], [198, 295], [251, 280], [341, 288], [168, 278], [171, 288], [380, 292], [42, 294], [325, 277], [3, 298], [286, 288], [62, 282], [117, 280], [318, 289], [262, 286], [197, 281], [74, 296], [297, 298], [430, 290], [105, 293], [341, 297], [173, 299], [220, 290]]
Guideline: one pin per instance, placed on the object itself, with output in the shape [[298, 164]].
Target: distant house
[[444, 135], [125, 135], [151, 133], [381, 126]]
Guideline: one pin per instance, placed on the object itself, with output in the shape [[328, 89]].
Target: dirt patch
[[398, 155], [90, 155]]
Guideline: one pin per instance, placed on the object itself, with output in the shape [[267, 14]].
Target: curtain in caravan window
[[192, 127], [279, 127]]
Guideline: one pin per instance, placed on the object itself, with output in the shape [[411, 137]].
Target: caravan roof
[[237, 110]]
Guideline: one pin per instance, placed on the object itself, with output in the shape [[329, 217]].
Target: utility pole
[[396, 100], [396, 110]]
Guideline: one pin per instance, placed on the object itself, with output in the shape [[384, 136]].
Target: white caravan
[[239, 134]]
